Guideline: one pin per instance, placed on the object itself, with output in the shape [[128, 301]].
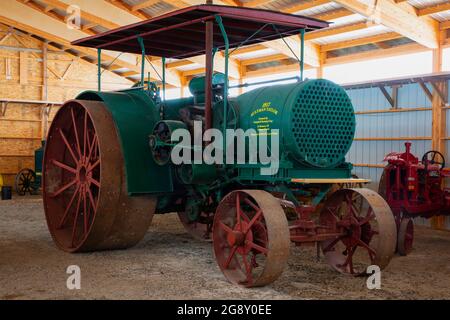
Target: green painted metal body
[[315, 119], [38, 157], [197, 86], [135, 115]]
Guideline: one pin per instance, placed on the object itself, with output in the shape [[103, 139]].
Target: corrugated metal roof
[[159, 8], [319, 9]]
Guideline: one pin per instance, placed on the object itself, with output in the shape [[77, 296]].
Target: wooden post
[[44, 94], [438, 121], [23, 76], [182, 86], [322, 62], [241, 89]]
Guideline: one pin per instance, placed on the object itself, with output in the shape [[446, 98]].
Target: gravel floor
[[168, 264]]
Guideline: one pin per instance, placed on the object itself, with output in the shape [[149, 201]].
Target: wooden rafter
[[60, 34], [361, 41], [444, 6], [401, 18]]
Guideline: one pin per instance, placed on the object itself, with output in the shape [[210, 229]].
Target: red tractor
[[414, 188]]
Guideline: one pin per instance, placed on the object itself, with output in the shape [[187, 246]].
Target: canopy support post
[[99, 69], [209, 32], [225, 87], [302, 53], [141, 43], [164, 78]]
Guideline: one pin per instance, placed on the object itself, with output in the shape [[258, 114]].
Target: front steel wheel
[[251, 238]]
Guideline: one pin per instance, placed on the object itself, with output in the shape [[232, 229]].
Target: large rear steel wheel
[[84, 189], [251, 238], [368, 232]]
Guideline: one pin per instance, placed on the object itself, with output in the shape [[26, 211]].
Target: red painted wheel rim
[[367, 230], [73, 177]]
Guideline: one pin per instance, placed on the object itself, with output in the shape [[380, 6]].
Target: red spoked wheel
[[251, 238], [86, 204], [367, 232], [405, 237]]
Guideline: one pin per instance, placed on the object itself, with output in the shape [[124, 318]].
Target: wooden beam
[[23, 18], [84, 14], [392, 139], [255, 3], [387, 96], [444, 6], [270, 58], [378, 53], [177, 64], [333, 14], [444, 25], [391, 110], [401, 18], [361, 41], [426, 91], [271, 70], [338, 30]]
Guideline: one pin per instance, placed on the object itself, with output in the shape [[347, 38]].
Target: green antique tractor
[[109, 161], [29, 180]]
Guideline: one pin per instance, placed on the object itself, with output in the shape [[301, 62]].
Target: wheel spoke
[[248, 269], [372, 252], [76, 132], [91, 167], [63, 136], [225, 227], [95, 182], [369, 217], [64, 188], [254, 219], [349, 259], [75, 220], [85, 213], [64, 166], [69, 205], [259, 248], [251, 204], [91, 199], [93, 145], [230, 257], [238, 212]]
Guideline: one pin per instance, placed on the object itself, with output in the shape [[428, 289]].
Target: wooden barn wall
[[410, 124], [21, 126]]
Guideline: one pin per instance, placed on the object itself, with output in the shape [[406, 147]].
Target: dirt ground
[[169, 264]]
